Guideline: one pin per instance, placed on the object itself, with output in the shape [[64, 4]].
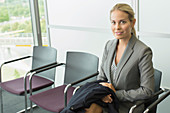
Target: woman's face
[[121, 25]]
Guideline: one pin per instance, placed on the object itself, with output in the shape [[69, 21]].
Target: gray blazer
[[134, 79]]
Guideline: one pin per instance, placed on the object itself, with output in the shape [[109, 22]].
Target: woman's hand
[[108, 85], [107, 99]]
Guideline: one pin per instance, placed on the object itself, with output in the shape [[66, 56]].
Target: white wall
[[83, 25], [82, 13], [155, 16]]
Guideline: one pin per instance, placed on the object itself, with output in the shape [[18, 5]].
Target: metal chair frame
[[22, 58]]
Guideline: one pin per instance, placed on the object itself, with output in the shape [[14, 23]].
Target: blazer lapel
[[110, 57], [126, 55]]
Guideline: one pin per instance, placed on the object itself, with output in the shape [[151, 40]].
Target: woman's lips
[[119, 33]]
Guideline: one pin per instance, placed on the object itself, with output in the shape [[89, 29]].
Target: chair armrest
[[157, 101], [45, 66], [10, 61], [86, 78], [17, 59], [136, 105], [41, 69], [76, 82]]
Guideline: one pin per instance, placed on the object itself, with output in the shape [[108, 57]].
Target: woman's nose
[[117, 26]]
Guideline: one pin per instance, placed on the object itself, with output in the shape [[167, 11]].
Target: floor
[[13, 104]]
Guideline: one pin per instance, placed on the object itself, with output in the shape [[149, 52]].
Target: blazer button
[[71, 108]]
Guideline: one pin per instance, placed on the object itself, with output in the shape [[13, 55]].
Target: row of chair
[[44, 60], [79, 66]]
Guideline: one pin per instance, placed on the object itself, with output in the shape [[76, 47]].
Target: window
[[16, 38]]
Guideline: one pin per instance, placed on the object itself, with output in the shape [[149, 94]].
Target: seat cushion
[[17, 86], [53, 99]]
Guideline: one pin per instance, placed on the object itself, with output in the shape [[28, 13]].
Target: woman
[[126, 63]]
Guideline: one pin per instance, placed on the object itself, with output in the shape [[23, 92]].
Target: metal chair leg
[[30, 84], [25, 103], [25, 87], [1, 100], [23, 111]]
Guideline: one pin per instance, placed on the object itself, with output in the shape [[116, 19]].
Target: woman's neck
[[121, 46], [123, 42]]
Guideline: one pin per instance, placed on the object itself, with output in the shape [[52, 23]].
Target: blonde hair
[[127, 9]]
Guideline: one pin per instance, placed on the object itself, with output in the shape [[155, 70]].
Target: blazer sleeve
[[146, 88]]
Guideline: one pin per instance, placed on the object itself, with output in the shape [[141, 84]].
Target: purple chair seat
[[15, 87], [53, 99]]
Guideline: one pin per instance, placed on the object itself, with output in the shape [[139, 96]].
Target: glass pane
[[16, 37], [45, 40]]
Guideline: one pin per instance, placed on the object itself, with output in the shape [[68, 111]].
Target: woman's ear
[[133, 22]]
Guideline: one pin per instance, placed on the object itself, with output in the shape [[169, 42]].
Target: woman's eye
[[113, 22], [122, 22]]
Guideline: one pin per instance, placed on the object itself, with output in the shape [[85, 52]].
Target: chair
[[155, 103], [42, 57], [157, 77], [78, 65]]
